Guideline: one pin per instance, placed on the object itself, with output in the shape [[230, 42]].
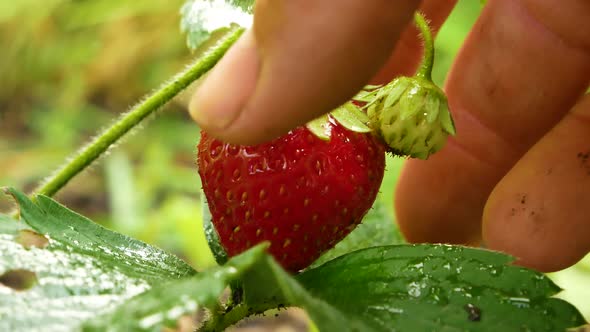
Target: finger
[[408, 51], [236, 72], [539, 211], [302, 59], [515, 77]]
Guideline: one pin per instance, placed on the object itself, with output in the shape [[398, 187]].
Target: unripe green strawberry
[[302, 192], [411, 115]]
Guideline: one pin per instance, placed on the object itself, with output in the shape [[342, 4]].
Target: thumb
[[301, 59]]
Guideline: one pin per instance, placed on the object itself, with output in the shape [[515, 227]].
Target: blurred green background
[[68, 68]]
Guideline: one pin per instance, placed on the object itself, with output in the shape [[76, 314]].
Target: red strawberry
[[301, 193]]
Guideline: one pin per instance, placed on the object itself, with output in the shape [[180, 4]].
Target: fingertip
[[538, 211], [219, 99], [508, 228]]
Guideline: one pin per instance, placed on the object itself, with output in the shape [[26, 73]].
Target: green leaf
[[211, 233], [84, 270], [437, 287], [86, 237], [376, 229], [81, 275], [203, 19], [165, 303], [267, 285]]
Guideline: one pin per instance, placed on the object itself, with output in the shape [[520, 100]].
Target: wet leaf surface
[[68, 228], [442, 288], [165, 303], [89, 278], [84, 269]]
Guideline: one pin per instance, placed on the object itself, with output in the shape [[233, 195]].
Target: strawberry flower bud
[[411, 115]]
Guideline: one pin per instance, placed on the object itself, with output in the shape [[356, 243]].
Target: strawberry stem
[[425, 69], [135, 116], [220, 321]]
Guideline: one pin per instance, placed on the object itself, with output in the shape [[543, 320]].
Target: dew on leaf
[[387, 308], [520, 302], [414, 289], [419, 267]]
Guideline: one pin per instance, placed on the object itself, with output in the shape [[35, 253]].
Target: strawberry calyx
[[411, 114]]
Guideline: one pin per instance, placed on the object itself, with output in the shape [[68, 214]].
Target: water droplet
[[414, 289], [520, 302], [386, 308]]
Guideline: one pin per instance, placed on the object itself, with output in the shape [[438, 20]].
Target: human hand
[[516, 176]]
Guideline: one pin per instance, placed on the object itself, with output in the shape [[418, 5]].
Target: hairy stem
[[220, 321], [425, 69], [97, 147]]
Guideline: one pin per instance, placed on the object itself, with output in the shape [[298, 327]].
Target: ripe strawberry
[[299, 192]]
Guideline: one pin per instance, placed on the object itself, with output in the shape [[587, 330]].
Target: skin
[[515, 178]]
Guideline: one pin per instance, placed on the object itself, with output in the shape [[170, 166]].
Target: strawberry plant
[[292, 222]]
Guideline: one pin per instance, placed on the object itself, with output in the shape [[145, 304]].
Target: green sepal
[[347, 115], [412, 102], [320, 127], [352, 118], [446, 120], [211, 235], [398, 87], [367, 93], [431, 107]]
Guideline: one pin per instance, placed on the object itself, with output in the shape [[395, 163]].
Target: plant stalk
[[98, 146], [425, 69], [220, 321]]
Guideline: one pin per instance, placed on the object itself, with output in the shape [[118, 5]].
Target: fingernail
[[220, 98]]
